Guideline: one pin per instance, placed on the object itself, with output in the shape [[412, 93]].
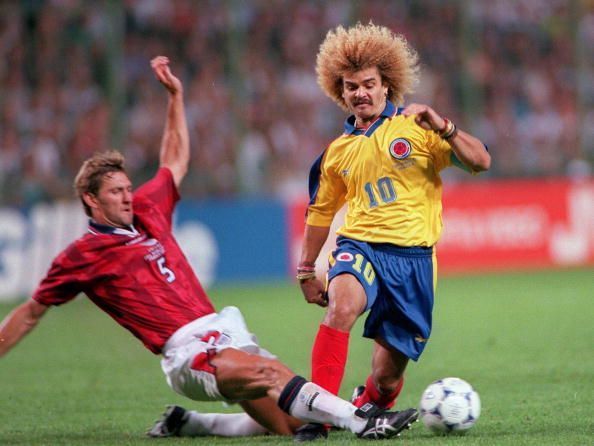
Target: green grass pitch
[[524, 340]]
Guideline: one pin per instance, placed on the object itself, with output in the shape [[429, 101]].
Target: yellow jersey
[[388, 174]]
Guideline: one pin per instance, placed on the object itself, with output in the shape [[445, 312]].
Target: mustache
[[362, 101]]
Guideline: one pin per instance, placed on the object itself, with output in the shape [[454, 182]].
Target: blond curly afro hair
[[345, 51]]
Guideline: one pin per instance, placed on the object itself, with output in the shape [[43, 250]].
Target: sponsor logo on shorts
[[419, 338], [224, 339], [345, 257], [400, 148]]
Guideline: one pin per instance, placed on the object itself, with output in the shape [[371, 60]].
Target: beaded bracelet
[[449, 129], [302, 277], [452, 134], [305, 272]]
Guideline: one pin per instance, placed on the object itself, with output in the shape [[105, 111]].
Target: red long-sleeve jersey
[[140, 277]]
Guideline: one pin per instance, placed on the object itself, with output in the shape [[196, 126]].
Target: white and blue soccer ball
[[450, 405]]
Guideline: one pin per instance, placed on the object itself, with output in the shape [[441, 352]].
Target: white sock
[[222, 424], [314, 404]]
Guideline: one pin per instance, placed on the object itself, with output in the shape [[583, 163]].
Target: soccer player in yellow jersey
[[386, 167]]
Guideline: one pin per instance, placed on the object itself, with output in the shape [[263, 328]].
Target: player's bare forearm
[[468, 149], [471, 151], [19, 323], [313, 240], [175, 144]]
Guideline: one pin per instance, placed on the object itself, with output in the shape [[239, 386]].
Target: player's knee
[[346, 302], [271, 373], [342, 313], [244, 376]]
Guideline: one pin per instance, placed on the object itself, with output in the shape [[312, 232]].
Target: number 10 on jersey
[[384, 187]]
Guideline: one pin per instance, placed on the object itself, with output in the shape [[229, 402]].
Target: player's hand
[[425, 116], [314, 292], [160, 66]]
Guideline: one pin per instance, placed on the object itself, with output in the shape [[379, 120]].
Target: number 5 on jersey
[[169, 275]]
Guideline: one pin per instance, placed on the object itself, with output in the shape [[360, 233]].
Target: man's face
[[113, 203], [364, 94]]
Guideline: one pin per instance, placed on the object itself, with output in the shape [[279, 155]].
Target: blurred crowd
[[75, 79]]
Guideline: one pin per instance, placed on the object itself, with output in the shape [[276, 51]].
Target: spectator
[[520, 57]]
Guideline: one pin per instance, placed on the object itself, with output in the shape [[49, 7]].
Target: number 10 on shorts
[[363, 267]]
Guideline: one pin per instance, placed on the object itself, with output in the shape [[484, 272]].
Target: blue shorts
[[398, 282]]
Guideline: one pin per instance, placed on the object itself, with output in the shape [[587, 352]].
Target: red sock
[[373, 395], [328, 358]]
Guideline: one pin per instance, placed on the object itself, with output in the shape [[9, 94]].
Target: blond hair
[[345, 51], [91, 173]]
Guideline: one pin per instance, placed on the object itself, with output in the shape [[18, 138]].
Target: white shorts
[[187, 353]]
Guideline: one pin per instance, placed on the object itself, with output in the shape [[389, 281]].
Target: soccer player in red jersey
[[130, 265]]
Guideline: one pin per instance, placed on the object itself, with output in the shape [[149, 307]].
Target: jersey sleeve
[[327, 193], [62, 283], [441, 149], [159, 193], [443, 154]]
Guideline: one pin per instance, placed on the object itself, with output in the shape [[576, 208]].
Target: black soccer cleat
[[388, 424], [170, 423], [310, 432]]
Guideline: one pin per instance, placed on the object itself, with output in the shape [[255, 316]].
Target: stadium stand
[[74, 80]]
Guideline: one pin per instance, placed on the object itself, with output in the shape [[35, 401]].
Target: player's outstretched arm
[[19, 323], [471, 151], [468, 149], [175, 145], [313, 289]]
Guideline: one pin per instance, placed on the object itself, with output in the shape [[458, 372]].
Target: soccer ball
[[450, 405]]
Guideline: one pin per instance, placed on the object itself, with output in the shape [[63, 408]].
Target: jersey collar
[[389, 111], [98, 228]]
